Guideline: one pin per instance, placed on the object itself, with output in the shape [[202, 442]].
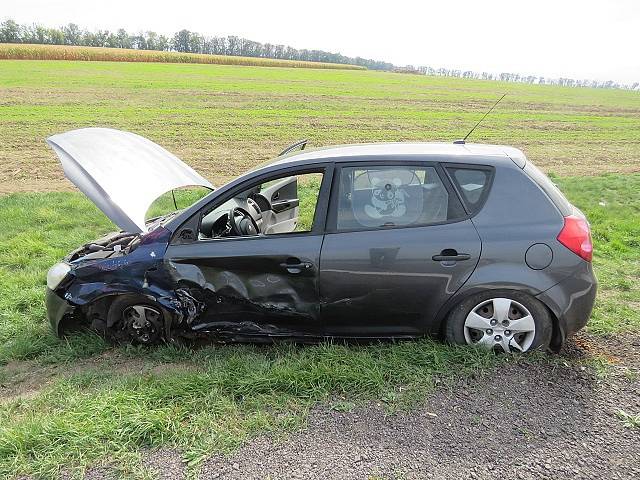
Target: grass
[[628, 420], [224, 119], [214, 398], [222, 397], [79, 401], [13, 51]]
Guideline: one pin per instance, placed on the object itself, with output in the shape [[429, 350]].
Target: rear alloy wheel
[[500, 323], [506, 322]]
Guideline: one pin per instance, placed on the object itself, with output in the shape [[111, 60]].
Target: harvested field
[[225, 119]]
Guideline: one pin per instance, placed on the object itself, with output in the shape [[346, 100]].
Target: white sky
[[594, 39]]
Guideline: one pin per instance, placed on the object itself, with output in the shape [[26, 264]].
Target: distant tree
[[101, 38], [89, 39], [9, 32], [123, 39], [34, 34], [152, 41], [181, 41], [278, 51], [138, 42], [196, 43], [233, 45], [218, 46], [267, 51], [72, 34], [112, 40], [55, 36]]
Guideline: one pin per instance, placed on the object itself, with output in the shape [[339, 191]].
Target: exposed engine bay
[[116, 243]]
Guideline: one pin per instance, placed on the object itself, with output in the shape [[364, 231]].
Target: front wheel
[[137, 319], [500, 320]]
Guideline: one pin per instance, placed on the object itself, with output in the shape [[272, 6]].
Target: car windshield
[[169, 203]]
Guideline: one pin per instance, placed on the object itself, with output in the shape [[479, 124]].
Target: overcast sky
[[594, 39]]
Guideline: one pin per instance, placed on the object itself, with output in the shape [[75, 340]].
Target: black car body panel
[[254, 286]]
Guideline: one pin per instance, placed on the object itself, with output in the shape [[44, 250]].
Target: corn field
[[11, 51]]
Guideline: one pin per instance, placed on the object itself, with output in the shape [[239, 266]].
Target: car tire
[[136, 319], [486, 310]]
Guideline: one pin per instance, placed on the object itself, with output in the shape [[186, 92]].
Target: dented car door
[[251, 285], [256, 285], [285, 205]]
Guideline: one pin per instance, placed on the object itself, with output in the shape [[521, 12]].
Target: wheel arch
[[96, 311], [558, 335]]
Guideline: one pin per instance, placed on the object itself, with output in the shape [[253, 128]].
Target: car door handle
[[450, 255], [296, 266]]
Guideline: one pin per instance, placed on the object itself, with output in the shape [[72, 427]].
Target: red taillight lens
[[576, 236]]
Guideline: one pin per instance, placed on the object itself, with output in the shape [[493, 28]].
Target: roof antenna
[[462, 142]]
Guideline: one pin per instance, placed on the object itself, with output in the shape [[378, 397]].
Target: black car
[[463, 241]]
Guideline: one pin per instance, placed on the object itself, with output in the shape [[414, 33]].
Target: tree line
[[192, 42], [515, 77], [182, 41]]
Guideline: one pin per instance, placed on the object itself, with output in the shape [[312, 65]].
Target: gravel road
[[525, 420]]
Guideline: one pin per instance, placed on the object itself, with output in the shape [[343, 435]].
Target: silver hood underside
[[121, 172]]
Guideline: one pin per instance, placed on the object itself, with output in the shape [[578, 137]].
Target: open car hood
[[121, 172]]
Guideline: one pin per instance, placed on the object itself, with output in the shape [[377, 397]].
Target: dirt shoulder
[[524, 420]]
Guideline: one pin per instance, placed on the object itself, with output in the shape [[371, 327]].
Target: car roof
[[469, 152]]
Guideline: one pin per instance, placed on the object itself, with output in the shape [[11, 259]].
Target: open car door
[[282, 195]]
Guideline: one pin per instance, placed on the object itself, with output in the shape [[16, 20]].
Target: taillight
[[576, 236]]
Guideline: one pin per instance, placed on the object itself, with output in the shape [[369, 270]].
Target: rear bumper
[[572, 300], [58, 309]]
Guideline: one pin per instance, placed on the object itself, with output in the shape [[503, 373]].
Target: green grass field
[[225, 119], [78, 401]]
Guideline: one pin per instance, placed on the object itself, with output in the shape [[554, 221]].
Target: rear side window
[[472, 183], [392, 196], [549, 188]]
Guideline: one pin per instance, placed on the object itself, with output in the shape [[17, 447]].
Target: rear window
[[472, 183], [553, 192]]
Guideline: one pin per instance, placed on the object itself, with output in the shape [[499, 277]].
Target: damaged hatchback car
[[468, 242]]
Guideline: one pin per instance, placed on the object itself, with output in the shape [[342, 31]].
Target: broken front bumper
[[58, 309]]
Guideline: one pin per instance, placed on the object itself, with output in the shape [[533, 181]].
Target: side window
[[472, 183], [390, 196], [305, 192], [283, 204]]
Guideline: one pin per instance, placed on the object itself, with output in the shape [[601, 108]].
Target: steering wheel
[[242, 223]]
